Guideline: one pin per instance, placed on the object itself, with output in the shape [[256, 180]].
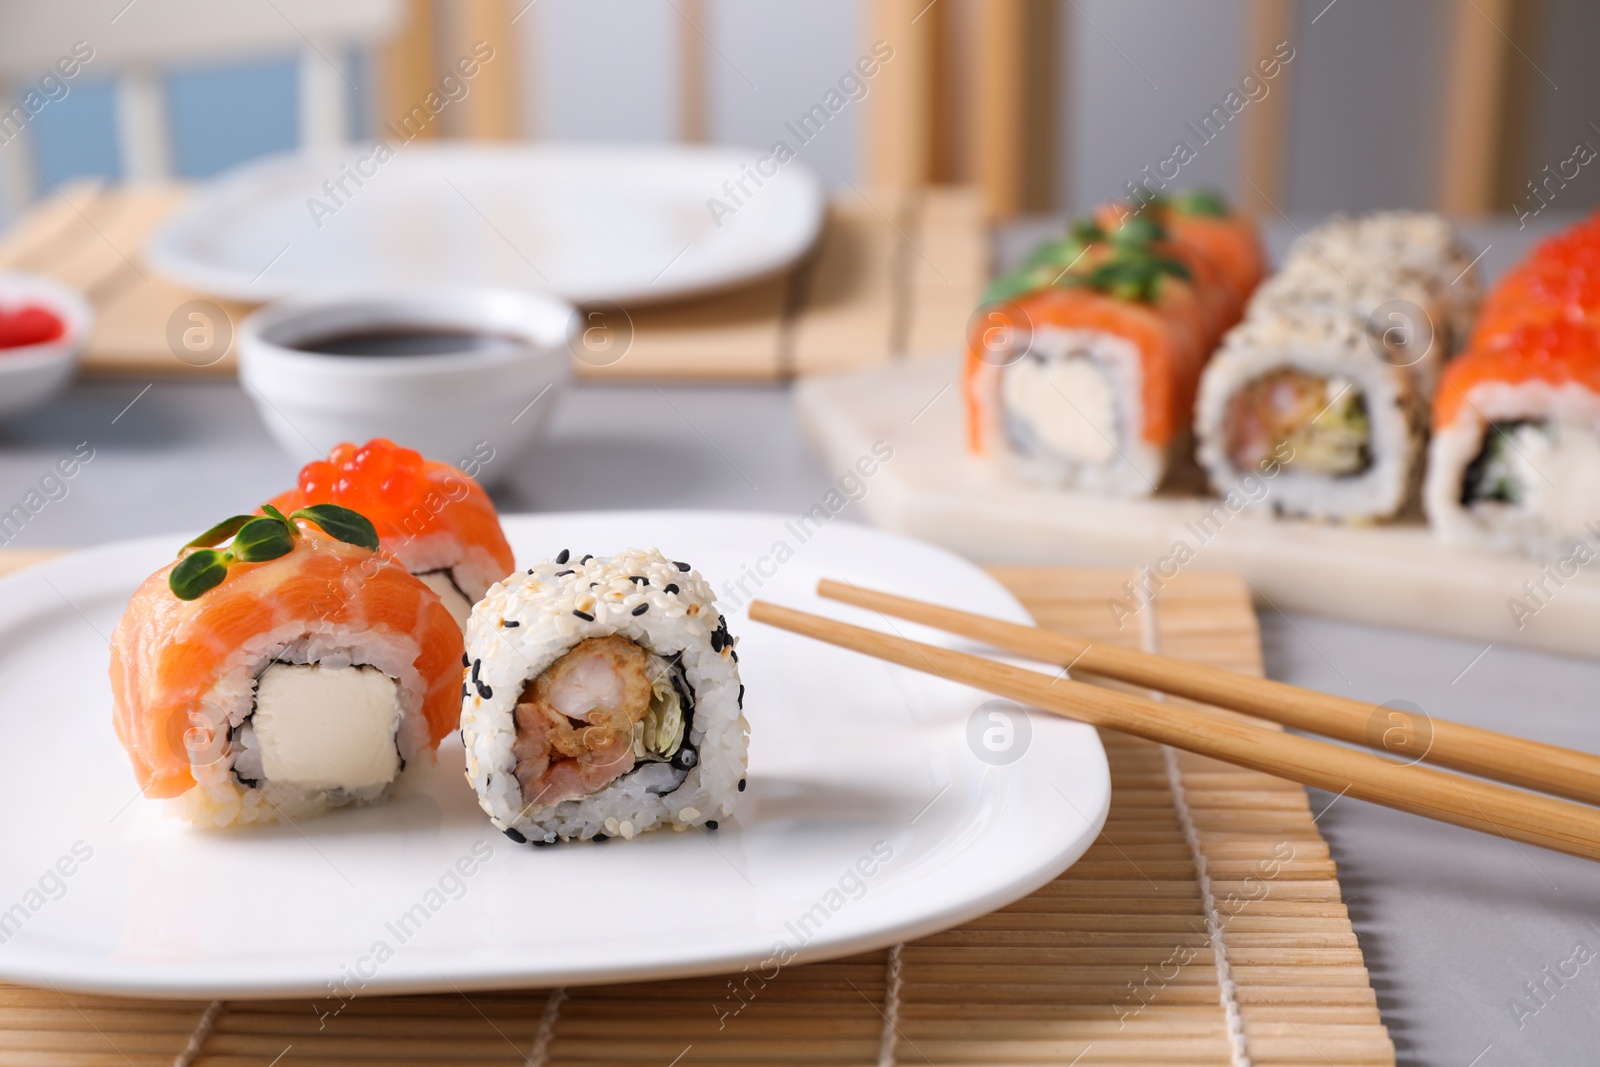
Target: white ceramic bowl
[[32, 374], [454, 407]]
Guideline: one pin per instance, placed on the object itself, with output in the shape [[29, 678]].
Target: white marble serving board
[[1389, 575]]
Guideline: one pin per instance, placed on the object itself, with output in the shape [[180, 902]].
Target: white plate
[[588, 223], [847, 755]]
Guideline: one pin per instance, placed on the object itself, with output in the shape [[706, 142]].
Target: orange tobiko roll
[[429, 515]]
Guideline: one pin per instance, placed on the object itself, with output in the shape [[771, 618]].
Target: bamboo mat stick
[[1516, 760], [1482, 806]]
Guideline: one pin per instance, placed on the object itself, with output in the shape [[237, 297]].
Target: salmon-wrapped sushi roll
[[603, 700], [1199, 220], [1514, 463], [430, 516], [1083, 375], [291, 671]]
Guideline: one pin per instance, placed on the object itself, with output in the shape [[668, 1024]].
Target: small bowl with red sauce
[[43, 325]]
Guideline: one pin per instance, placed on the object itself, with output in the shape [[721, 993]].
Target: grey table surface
[[1483, 952]]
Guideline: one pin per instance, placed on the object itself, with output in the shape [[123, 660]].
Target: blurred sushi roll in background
[[293, 670], [603, 700], [1415, 244], [1514, 463], [1082, 364], [431, 516], [1304, 400], [1325, 386]]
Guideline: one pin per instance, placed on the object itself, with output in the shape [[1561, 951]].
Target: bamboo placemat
[[894, 272], [1203, 927]]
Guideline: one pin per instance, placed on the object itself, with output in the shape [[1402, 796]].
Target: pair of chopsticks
[[1409, 786]]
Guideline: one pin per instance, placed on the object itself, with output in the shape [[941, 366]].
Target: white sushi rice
[[471, 567], [1560, 471], [1330, 347], [220, 798], [542, 606]]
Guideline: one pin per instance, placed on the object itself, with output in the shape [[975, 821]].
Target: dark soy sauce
[[404, 341]]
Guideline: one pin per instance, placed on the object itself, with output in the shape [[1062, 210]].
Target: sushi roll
[[429, 515], [1417, 244], [1199, 220], [1398, 311], [1304, 400], [1104, 338], [1325, 385], [290, 671], [1559, 280], [1514, 464], [603, 700]]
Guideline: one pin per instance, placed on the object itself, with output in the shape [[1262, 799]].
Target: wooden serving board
[[1388, 574], [894, 271], [1204, 927]]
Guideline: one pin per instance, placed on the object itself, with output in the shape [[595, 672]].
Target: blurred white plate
[[589, 223], [869, 818]]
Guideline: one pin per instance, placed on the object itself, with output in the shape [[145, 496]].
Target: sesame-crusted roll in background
[[602, 699]]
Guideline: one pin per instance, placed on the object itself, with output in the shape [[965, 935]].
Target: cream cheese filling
[[1068, 405], [326, 727]]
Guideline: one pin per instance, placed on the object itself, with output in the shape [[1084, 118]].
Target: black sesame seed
[[563, 556], [641, 609], [741, 696], [540, 842], [465, 662], [463, 690], [711, 824], [684, 567], [734, 654], [639, 578], [563, 574], [599, 838], [484, 691], [477, 663], [510, 624], [741, 785], [530, 570], [584, 560], [671, 589], [584, 615], [515, 835]]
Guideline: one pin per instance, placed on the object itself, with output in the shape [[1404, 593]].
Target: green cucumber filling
[[1498, 474]]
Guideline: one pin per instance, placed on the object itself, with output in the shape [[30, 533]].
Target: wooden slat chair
[[135, 42]]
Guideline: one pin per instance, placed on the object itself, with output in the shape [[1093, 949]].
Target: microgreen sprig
[[258, 538]]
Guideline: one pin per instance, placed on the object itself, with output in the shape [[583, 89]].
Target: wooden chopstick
[[1484, 806], [1515, 760]]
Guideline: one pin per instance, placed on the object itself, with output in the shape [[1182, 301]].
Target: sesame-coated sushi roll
[[292, 670], [602, 700], [429, 515], [1303, 400], [1324, 387], [1417, 244]]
